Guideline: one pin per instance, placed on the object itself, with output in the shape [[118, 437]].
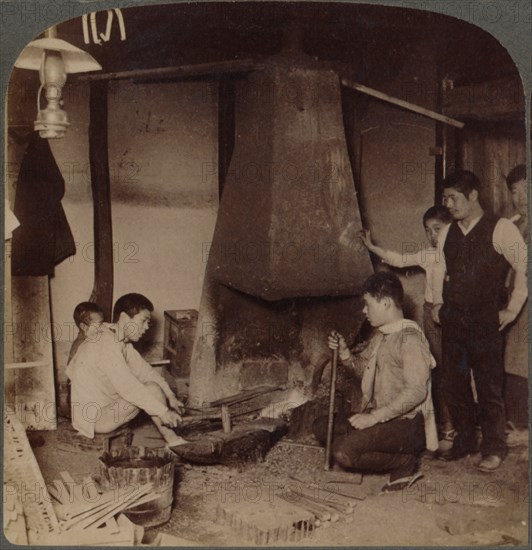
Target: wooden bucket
[[128, 467]]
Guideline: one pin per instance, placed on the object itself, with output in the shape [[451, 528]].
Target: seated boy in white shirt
[[111, 382]]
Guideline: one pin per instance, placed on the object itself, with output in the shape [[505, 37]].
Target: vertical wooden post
[[102, 292], [440, 161]]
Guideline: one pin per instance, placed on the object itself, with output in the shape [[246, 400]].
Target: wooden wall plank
[[496, 100], [33, 390]]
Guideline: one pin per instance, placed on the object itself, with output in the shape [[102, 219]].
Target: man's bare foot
[[176, 441]]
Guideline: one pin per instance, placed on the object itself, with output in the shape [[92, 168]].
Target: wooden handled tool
[[330, 423]]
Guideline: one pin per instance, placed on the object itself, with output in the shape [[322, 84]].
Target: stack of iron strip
[[280, 510]]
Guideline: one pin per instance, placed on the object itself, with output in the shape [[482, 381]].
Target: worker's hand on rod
[[175, 404], [171, 418], [337, 341]]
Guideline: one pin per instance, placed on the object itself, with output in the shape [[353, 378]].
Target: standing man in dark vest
[[474, 254]]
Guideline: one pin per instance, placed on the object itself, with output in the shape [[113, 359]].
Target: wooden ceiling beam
[[184, 71]]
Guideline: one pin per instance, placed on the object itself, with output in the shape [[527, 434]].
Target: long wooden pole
[[401, 103], [330, 423], [198, 69]]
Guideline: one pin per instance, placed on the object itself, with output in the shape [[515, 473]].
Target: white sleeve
[[145, 372], [508, 241], [126, 383], [405, 259]]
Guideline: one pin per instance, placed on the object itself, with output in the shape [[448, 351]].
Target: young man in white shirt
[[516, 349], [396, 420], [435, 219], [474, 255]]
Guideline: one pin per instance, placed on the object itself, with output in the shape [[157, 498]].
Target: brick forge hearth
[[284, 266]]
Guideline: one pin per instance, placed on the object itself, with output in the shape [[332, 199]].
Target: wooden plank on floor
[[22, 470]]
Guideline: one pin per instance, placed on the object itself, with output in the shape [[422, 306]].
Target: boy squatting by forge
[[111, 382], [396, 421]]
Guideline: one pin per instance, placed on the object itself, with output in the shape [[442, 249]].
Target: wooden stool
[[69, 439]]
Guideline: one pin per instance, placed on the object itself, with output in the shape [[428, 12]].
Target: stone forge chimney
[[285, 236]]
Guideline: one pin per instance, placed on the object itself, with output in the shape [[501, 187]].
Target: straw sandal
[[401, 483]]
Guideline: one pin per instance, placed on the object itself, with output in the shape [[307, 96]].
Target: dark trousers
[[471, 341], [392, 446]]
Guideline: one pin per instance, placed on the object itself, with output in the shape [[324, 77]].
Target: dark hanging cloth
[[43, 238]]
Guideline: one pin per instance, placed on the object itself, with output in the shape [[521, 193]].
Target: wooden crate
[[179, 333]]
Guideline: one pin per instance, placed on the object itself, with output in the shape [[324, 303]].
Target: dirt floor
[[453, 504]]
